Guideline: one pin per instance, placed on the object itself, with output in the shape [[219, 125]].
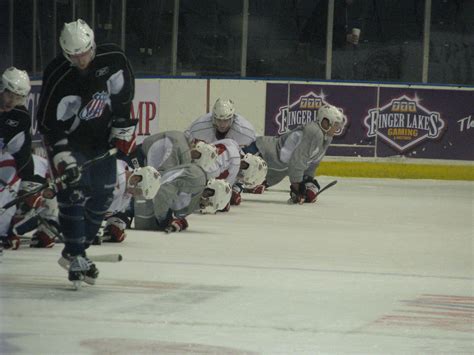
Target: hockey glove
[[11, 242], [312, 189], [123, 135], [236, 198], [66, 166], [258, 190], [177, 225], [297, 193], [114, 231]]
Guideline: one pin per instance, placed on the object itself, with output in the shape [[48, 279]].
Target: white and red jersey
[[121, 197], [203, 129], [227, 165], [50, 205], [42, 167], [9, 185]]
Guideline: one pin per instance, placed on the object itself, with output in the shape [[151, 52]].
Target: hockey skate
[[79, 268]]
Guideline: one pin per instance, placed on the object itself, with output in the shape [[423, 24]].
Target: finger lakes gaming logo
[[404, 123], [301, 112]]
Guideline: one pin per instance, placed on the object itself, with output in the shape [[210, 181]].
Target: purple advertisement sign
[[423, 123], [417, 123]]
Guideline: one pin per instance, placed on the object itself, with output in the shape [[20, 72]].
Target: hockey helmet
[[145, 181], [216, 196], [223, 113], [76, 38], [207, 155], [16, 81], [332, 114], [255, 171]]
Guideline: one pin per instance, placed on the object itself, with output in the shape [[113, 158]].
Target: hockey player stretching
[[297, 153], [84, 109], [163, 202], [222, 123]]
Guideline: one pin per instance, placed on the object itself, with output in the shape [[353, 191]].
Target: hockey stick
[[65, 263], [101, 258], [58, 180], [332, 183]]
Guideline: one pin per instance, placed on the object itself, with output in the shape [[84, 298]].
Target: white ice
[[374, 267]]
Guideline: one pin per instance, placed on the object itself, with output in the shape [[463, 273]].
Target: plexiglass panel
[[452, 42], [287, 39], [210, 33], [390, 46], [149, 28]]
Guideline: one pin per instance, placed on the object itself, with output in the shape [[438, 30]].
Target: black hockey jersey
[[80, 105], [15, 138]]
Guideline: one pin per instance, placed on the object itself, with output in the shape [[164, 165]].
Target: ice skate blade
[[89, 280], [76, 285]]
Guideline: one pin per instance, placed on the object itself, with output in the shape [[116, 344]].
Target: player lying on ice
[[162, 202]]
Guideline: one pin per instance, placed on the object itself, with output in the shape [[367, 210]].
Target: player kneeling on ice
[[297, 153], [162, 202]]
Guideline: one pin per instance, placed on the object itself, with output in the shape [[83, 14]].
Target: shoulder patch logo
[[94, 107], [12, 123], [102, 71]]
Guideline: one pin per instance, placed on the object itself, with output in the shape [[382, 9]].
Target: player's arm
[[121, 87], [56, 114], [20, 146], [299, 164], [53, 121]]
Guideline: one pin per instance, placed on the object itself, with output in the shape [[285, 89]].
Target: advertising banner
[[423, 123], [380, 121], [145, 107]]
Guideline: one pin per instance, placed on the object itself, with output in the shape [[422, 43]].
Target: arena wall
[[442, 148]]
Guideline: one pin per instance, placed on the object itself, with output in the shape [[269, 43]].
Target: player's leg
[[102, 183]]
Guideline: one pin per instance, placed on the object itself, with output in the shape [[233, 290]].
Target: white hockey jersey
[[203, 129], [9, 185], [227, 165], [121, 197]]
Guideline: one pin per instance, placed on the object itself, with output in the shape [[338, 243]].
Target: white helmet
[[16, 81], [76, 38], [256, 171], [150, 181], [223, 110], [216, 196], [208, 155], [332, 114]]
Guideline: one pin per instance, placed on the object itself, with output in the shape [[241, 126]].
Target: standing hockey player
[[297, 153], [84, 109], [222, 123]]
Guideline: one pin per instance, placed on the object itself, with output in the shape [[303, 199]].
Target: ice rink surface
[[374, 267]]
